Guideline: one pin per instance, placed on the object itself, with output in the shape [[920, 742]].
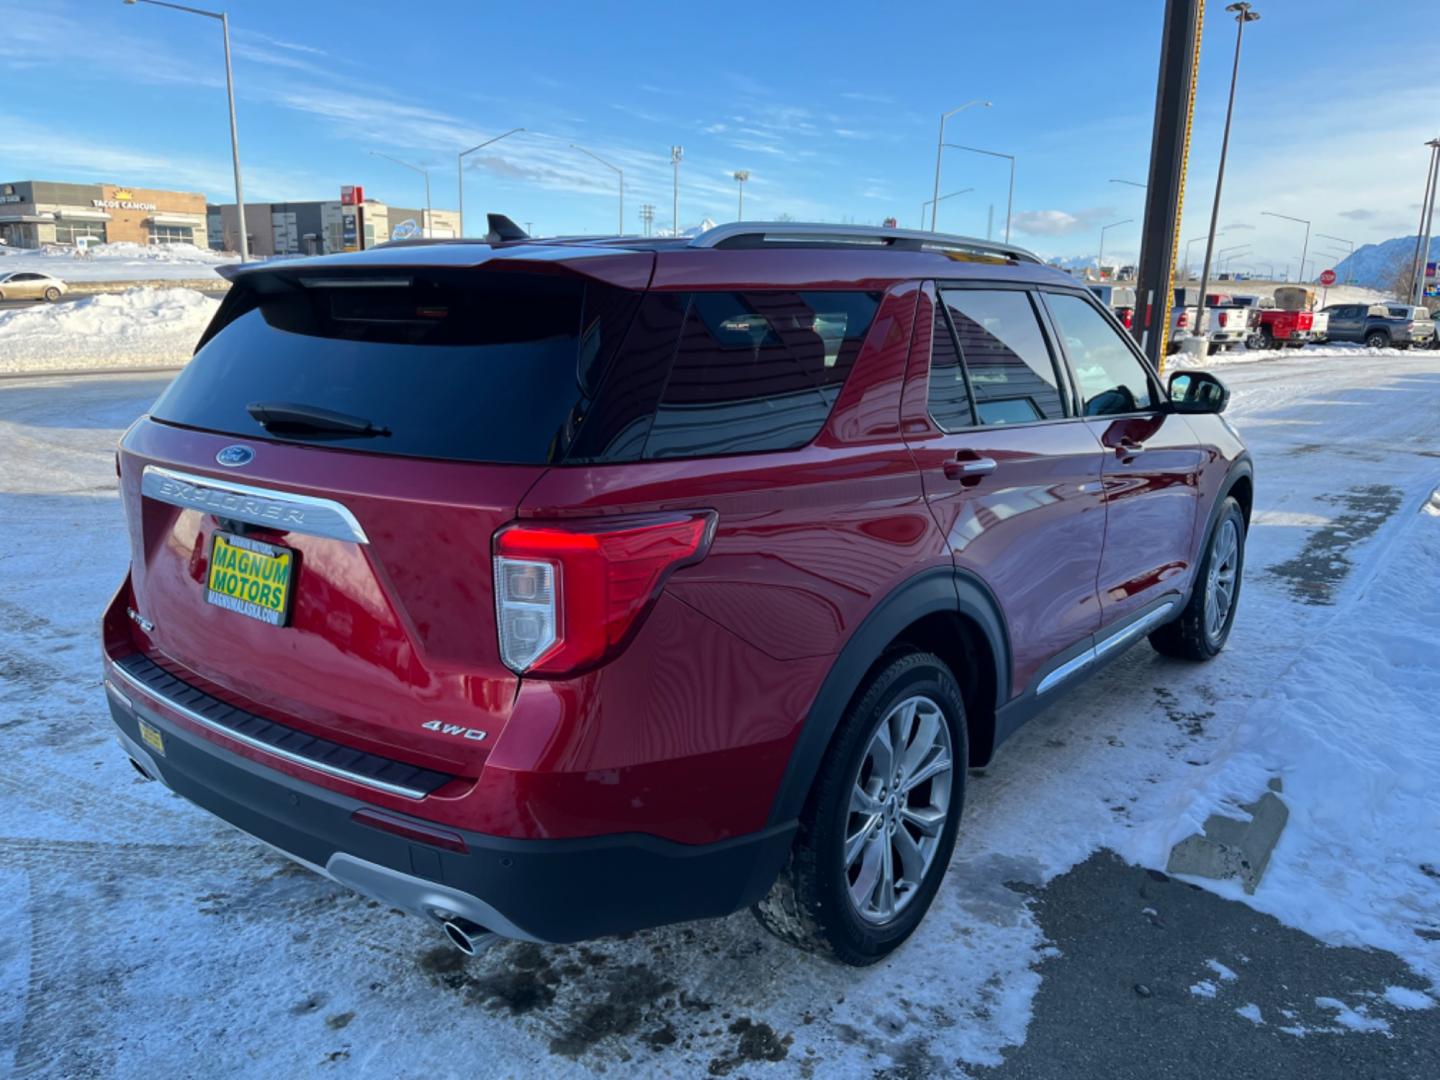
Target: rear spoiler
[[501, 230]]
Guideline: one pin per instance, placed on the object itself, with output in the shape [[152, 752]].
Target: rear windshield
[[467, 366]]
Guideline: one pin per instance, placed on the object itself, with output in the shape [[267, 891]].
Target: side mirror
[[1198, 392]]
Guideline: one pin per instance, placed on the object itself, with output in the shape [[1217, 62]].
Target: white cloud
[[1047, 222]]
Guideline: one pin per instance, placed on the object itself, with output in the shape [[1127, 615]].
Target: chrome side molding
[[1105, 645], [257, 506]]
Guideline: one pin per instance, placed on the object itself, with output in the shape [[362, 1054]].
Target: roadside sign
[[1327, 277]]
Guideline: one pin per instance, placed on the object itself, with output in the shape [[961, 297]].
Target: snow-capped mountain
[[1373, 264]]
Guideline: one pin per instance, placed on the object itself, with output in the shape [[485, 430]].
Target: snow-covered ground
[[120, 261], [141, 936], [1328, 351], [131, 329]]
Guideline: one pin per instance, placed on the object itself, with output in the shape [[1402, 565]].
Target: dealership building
[[34, 213]]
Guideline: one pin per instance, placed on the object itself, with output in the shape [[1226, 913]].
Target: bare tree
[[1395, 280]]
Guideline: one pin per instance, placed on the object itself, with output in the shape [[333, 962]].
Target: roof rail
[[800, 234]]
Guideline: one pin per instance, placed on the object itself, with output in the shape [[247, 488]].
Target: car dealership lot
[[197, 949]]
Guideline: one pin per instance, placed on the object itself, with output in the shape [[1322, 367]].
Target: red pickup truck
[[1288, 321]]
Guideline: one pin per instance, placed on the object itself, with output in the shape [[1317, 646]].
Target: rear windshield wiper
[[289, 416]]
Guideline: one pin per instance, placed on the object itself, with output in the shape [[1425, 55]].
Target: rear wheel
[[879, 827], [1204, 625], [1377, 339], [52, 294]]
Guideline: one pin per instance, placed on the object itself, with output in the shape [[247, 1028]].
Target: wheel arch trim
[[941, 589]]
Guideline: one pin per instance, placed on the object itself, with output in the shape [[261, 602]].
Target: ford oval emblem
[[234, 456]]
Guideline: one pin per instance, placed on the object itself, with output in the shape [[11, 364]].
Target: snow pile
[[1310, 353], [1350, 730], [120, 261], [135, 328]]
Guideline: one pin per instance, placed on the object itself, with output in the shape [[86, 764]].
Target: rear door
[[1012, 477], [379, 618], [1347, 323], [1151, 460]]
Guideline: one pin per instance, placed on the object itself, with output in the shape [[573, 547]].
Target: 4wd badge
[[454, 729]]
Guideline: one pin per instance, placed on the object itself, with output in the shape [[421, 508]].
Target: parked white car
[[30, 285]]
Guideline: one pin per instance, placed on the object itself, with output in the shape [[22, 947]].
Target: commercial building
[[319, 228], [34, 213]]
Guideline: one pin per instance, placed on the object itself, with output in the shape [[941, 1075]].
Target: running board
[[1104, 647]]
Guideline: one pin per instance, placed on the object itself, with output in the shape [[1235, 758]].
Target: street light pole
[[230, 95], [620, 172], [741, 175], [460, 169], [1192, 240], [1427, 222], [962, 191], [676, 154], [939, 149], [1349, 243], [1304, 248], [1243, 15], [1010, 199], [423, 171], [1100, 259], [1424, 201]]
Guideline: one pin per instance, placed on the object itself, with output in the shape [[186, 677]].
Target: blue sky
[[833, 107]]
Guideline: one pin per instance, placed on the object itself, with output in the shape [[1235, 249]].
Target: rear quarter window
[[757, 371], [726, 372]]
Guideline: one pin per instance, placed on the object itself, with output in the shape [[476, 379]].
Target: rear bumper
[[537, 890]]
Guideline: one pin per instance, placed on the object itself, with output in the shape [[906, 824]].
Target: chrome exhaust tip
[[470, 938], [144, 773]]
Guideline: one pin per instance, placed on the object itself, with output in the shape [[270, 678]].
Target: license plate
[[152, 737], [251, 578]]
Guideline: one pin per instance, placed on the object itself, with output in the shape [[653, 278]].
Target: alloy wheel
[[899, 805], [1220, 586]]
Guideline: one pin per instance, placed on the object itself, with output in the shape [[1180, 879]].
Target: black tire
[[810, 905], [1377, 339], [52, 294], [1187, 637]]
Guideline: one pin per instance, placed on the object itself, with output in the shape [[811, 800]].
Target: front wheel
[[879, 827], [1204, 625]]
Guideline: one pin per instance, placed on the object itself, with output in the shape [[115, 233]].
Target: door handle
[[969, 468], [1128, 447]]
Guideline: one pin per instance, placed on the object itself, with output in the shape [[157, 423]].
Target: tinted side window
[[1011, 373], [1110, 378], [757, 371], [949, 394]]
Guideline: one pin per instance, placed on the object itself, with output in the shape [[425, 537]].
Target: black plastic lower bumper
[[543, 890]]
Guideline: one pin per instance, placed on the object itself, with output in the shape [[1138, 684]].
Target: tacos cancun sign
[[123, 200]]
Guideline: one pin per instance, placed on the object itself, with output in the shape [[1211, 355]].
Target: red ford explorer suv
[[554, 589]]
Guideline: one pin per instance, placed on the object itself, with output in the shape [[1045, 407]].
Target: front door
[[1012, 479], [1151, 461]]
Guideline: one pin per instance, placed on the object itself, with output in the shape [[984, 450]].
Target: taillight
[[1224, 317], [1184, 320], [568, 595], [1127, 318]]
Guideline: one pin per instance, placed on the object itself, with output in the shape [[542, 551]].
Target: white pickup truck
[[1226, 324]]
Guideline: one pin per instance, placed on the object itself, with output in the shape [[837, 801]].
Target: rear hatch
[[312, 501]]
